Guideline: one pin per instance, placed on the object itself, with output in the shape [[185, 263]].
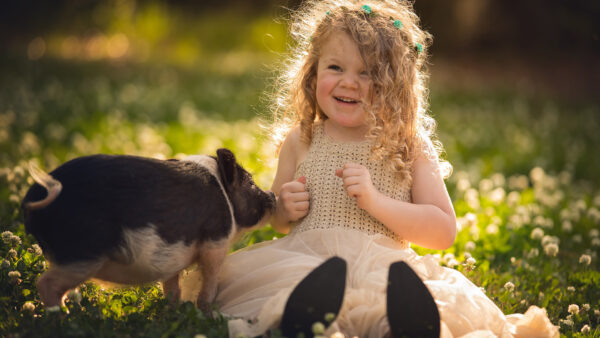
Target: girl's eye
[[334, 67], [364, 73]]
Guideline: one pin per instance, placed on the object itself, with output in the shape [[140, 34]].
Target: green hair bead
[[419, 48], [367, 9], [398, 24]]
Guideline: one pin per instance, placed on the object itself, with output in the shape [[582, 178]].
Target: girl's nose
[[349, 81]]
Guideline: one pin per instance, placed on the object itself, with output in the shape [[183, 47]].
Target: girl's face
[[342, 82]]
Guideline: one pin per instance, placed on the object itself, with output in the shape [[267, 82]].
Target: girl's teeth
[[345, 100]]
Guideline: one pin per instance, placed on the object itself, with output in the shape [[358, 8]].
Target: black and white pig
[[132, 220]]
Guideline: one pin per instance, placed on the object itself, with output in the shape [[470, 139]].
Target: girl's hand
[[293, 199], [358, 184]]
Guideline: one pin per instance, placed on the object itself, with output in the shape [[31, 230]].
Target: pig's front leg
[[171, 289], [210, 261]]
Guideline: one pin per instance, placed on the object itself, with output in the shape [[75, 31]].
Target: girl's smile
[[342, 85]]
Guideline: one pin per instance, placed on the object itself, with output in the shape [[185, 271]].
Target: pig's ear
[[227, 166]]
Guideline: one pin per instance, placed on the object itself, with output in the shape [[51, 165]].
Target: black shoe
[[321, 292], [411, 310]]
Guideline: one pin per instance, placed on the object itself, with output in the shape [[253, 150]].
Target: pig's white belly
[[146, 257]]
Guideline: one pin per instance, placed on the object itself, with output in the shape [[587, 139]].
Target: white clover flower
[[15, 241], [513, 198], [472, 198], [470, 263], [586, 307], [37, 250], [447, 257], [567, 226], [14, 277], [567, 322], [594, 214], [594, 233], [573, 309], [471, 219], [5, 264], [537, 174], [519, 182], [463, 184], [485, 185], [509, 286], [54, 308], [470, 246], [498, 179], [6, 236], [537, 233], [551, 249], [492, 229], [597, 200], [577, 238], [597, 313], [541, 294], [565, 177], [585, 329], [497, 195], [318, 328], [534, 252], [585, 259], [452, 263], [571, 288], [550, 239], [580, 205], [28, 307], [513, 260], [595, 241], [543, 222], [12, 253]]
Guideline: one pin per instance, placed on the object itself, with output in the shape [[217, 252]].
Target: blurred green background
[[509, 67]]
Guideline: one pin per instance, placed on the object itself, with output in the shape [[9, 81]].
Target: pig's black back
[[104, 194]]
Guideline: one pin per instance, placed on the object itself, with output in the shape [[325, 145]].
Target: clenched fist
[[293, 199], [358, 184]]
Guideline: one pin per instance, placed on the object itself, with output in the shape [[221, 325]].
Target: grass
[[525, 185]]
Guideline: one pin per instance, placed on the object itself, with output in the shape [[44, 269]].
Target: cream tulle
[[255, 283]]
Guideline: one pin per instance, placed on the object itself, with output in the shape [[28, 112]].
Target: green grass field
[[525, 185]]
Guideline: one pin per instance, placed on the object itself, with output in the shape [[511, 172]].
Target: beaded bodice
[[330, 206]]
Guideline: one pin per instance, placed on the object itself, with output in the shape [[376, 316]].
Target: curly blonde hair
[[395, 54]]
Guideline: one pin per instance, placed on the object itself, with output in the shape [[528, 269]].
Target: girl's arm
[[428, 221], [292, 197]]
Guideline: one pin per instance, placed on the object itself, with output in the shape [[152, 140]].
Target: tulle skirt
[[255, 283]]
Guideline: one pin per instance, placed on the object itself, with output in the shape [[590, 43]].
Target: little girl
[[359, 178]]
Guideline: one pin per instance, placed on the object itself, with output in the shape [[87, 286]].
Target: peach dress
[[256, 281]]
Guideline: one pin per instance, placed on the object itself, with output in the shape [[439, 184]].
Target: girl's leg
[[411, 310], [321, 292]]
